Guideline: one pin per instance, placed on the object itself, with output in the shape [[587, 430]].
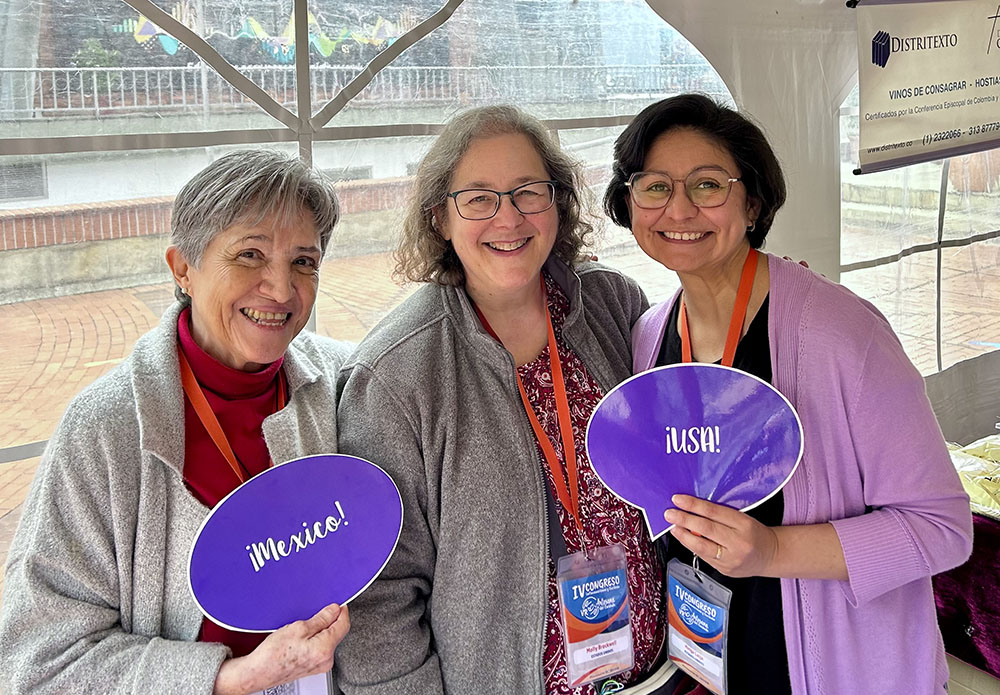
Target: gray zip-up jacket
[[96, 596], [432, 398]]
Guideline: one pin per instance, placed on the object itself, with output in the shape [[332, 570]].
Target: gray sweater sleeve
[[389, 649], [68, 573]]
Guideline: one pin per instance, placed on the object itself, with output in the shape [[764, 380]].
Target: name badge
[[698, 618], [318, 684], [593, 602]]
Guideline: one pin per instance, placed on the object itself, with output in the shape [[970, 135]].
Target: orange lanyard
[[207, 415], [569, 496], [735, 323]]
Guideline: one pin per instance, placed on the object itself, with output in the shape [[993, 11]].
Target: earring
[[753, 226], [183, 291]]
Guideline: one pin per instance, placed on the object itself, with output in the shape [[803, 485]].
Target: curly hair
[[423, 255]]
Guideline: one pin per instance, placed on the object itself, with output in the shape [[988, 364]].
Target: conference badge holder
[[593, 604], [698, 618], [318, 684]]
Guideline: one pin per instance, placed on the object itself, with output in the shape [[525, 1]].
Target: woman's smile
[[508, 247], [267, 319], [683, 236]]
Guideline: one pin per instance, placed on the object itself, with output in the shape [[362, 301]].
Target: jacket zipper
[[540, 478], [545, 578]]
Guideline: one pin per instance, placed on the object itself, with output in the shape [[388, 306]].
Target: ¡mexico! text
[[270, 549]]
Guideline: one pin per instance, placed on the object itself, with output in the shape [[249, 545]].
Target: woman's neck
[[519, 318], [709, 300], [215, 374]]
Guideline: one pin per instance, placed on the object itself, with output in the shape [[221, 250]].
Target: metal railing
[[54, 92]]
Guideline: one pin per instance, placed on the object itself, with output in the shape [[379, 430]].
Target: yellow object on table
[[978, 465]]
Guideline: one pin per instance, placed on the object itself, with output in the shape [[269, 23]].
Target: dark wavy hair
[[760, 171]]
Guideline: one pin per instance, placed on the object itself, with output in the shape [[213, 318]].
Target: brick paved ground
[[54, 347]]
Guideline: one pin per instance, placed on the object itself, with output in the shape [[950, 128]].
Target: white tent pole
[[142, 141], [303, 94], [786, 67], [303, 85], [156, 141]]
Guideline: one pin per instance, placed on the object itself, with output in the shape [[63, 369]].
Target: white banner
[[929, 80]]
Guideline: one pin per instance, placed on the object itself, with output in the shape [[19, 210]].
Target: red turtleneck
[[241, 401]]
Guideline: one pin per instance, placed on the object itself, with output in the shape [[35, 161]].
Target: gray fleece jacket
[[96, 597], [432, 398]]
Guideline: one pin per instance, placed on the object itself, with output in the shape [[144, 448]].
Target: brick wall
[[119, 219], [68, 224]]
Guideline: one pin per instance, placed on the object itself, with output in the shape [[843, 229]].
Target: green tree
[[94, 55]]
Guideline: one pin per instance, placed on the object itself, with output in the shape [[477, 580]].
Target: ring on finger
[[718, 551]]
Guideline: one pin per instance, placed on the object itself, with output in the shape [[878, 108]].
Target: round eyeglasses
[[483, 203], [707, 187]]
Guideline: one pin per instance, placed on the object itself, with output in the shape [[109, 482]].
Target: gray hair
[[248, 186], [423, 254]]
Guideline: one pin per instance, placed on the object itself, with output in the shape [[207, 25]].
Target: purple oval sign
[[697, 429], [299, 536]]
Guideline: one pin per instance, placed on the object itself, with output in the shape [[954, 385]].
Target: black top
[[757, 659]]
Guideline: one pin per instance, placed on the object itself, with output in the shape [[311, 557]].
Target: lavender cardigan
[[875, 464]]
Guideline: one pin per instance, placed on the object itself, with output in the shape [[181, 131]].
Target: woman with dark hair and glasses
[[831, 579], [474, 395]]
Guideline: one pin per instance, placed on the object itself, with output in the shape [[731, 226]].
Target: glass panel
[[614, 245], [904, 292], [973, 204], [970, 287], [82, 276], [556, 59], [100, 222], [373, 182], [257, 38], [886, 212], [97, 68], [345, 36]]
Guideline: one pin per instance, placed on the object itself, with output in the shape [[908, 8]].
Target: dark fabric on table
[[968, 601]]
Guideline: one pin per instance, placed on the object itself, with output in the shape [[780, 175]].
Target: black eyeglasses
[[706, 187], [483, 203]]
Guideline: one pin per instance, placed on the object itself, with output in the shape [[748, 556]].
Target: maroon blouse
[[606, 519], [241, 401]]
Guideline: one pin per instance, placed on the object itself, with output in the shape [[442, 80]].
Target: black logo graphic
[[880, 49]]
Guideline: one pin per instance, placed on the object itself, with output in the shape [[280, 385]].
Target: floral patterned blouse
[[606, 519]]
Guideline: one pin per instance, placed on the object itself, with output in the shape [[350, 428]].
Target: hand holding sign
[[297, 537], [732, 542], [697, 429], [300, 649]]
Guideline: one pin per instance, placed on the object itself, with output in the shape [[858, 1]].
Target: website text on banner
[[929, 80]]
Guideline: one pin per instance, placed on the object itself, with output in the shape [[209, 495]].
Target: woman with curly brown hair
[[474, 395]]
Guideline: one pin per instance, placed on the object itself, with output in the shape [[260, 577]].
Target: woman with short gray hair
[[96, 596]]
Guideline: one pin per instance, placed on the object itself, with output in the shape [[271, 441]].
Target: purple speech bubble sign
[[696, 429], [299, 536]]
